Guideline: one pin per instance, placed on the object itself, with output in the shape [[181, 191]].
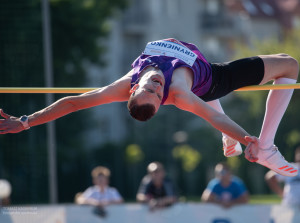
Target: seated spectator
[[225, 189], [100, 194], [290, 192], [155, 189]]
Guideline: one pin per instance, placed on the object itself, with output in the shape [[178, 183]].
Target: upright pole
[[51, 140]]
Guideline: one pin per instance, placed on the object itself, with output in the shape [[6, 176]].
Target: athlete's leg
[[231, 147], [283, 69]]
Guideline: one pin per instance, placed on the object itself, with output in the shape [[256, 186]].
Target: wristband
[[24, 120]]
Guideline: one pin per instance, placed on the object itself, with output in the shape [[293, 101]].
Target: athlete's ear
[[133, 89]]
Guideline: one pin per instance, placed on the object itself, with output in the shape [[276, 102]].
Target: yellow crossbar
[[269, 87], [44, 90], [57, 90]]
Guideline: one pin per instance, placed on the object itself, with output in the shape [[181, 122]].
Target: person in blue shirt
[[225, 189]]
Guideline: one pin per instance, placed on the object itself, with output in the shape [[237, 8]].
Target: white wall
[[135, 213]]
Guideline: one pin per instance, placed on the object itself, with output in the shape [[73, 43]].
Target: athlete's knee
[[292, 65]]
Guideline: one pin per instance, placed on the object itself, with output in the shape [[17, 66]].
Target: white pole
[[51, 140]]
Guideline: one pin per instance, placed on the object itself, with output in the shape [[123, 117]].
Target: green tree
[[77, 27]]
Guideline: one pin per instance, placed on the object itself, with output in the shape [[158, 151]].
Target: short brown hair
[[142, 112], [100, 170]]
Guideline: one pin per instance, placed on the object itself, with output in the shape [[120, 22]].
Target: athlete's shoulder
[[120, 88]]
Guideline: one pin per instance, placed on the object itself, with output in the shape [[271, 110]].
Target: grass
[[254, 199], [265, 199]]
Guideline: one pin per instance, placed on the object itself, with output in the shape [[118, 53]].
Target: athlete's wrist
[[24, 121]]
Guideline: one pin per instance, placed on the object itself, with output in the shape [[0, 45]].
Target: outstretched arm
[[188, 101], [115, 92]]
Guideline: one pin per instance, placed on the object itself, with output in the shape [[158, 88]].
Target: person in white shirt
[[101, 194], [290, 193]]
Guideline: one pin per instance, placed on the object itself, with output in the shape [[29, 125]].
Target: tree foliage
[[77, 27]]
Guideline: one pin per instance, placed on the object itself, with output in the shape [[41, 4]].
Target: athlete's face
[[150, 88]]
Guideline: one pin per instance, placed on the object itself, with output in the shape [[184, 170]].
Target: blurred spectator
[[155, 189], [225, 189], [5, 191], [290, 192], [100, 194]]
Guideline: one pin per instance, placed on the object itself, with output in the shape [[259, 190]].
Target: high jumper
[[172, 72]]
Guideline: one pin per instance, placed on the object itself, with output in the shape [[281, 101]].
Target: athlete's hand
[[252, 148], [9, 124]]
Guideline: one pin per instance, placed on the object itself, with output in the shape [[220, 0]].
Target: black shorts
[[229, 76]]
